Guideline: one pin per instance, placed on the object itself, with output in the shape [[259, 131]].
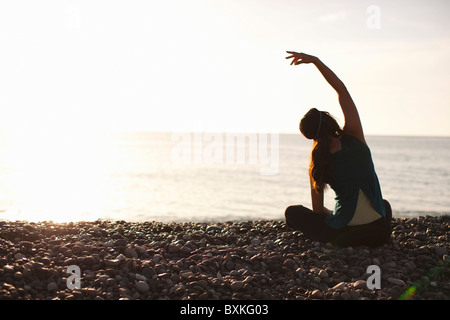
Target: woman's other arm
[[317, 201]]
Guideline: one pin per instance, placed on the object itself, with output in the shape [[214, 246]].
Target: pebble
[[112, 262], [236, 285], [52, 286], [224, 260], [8, 268], [323, 274], [441, 251], [142, 287], [360, 284], [121, 257], [26, 244], [89, 260], [316, 294], [120, 243], [140, 277], [130, 253], [340, 286], [103, 278], [84, 237], [19, 256], [213, 229], [255, 242], [396, 281], [186, 274]]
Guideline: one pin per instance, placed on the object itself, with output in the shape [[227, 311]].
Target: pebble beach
[[262, 260]]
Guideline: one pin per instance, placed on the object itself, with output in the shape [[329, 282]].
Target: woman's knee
[[293, 211], [293, 215], [388, 209]]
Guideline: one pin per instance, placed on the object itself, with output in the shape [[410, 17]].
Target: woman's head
[[317, 125], [321, 127]]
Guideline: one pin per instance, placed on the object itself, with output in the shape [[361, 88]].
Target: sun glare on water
[[57, 176]]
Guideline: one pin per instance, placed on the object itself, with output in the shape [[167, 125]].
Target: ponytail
[[321, 127]]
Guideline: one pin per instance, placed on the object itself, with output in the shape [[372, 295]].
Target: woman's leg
[[372, 234], [310, 223]]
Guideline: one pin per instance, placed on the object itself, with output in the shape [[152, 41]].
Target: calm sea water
[[198, 176]]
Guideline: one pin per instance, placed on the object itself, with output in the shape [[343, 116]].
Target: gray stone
[[19, 256], [142, 287], [255, 242], [396, 281], [52, 286]]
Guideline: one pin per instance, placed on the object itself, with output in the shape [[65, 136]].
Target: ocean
[[198, 177]]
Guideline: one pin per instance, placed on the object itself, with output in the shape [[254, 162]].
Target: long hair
[[321, 127]]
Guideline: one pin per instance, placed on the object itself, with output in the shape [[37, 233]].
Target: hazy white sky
[[204, 65]]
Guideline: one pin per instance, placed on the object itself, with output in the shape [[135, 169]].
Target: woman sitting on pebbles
[[341, 159]]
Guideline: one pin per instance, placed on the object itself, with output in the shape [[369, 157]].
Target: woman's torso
[[358, 193]]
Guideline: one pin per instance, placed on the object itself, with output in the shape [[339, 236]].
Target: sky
[[204, 65]]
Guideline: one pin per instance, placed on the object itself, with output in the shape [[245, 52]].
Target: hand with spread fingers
[[298, 58]]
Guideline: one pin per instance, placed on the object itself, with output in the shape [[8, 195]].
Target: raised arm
[[351, 117]]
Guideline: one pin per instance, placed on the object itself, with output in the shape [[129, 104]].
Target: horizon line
[[120, 131]]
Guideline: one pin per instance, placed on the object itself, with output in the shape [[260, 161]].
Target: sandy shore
[[232, 260]]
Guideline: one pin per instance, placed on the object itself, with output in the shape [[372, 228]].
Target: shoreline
[[244, 260]]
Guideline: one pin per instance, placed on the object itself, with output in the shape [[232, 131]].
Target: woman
[[341, 159]]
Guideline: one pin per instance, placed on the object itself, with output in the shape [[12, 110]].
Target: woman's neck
[[335, 145]]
